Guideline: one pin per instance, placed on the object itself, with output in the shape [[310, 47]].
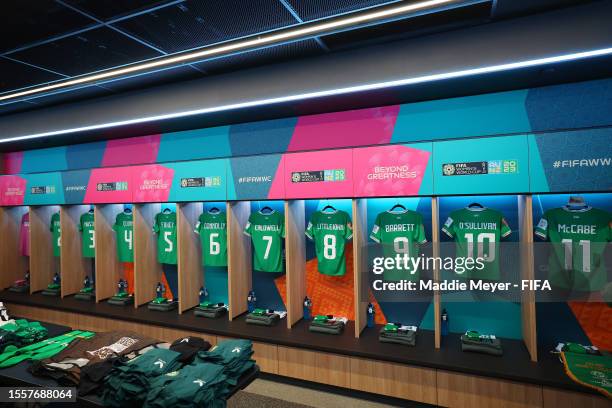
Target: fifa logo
[[448, 169]]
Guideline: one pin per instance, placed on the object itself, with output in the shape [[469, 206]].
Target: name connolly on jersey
[[213, 225]]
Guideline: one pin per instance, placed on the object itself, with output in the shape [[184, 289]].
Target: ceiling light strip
[[330, 92], [301, 31]]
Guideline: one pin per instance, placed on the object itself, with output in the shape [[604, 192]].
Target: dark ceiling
[[48, 40]]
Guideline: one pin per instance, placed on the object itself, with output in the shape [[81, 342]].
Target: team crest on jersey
[[543, 224]]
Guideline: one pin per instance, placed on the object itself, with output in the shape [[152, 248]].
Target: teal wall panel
[[495, 165]]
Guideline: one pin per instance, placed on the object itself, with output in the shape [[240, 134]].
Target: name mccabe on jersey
[[577, 229]]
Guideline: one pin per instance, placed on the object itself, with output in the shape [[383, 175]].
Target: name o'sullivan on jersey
[[456, 285]]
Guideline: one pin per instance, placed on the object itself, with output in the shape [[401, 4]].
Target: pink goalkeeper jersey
[[24, 235]]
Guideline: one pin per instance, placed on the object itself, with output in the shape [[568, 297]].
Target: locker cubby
[[409, 308], [215, 277], [108, 268], [238, 257], [581, 316], [147, 270], [269, 287], [482, 311], [43, 265], [190, 274], [13, 263], [74, 267], [302, 266]]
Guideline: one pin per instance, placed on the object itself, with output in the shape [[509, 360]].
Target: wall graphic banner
[[151, 183], [75, 186], [481, 166], [398, 170], [571, 161], [256, 178], [361, 127], [203, 180], [321, 174], [134, 150], [44, 189], [10, 163], [110, 185], [12, 190]]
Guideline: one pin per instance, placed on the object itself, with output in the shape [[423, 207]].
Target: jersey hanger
[[329, 207], [214, 210], [475, 205], [398, 205], [266, 209]]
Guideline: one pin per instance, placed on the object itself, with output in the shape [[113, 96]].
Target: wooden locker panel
[[43, 264], [435, 239], [360, 262], [238, 257], [74, 268], [556, 398], [468, 391], [394, 380], [314, 366], [108, 267], [13, 265], [147, 271], [190, 269], [528, 307], [295, 257]]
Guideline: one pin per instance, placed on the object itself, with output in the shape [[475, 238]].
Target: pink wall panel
[[389, 170], [321, 174], [12, 190], [135, 150], [361, 127], [152, 183], [106, 177], [10, 163]]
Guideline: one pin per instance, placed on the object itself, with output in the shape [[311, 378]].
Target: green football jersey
[[124, 228], [477, 233], [212, 228], [267, 232], [400, 233], [165, 228], [56, 233], [330, 231], [579, 239], [86, 226]]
